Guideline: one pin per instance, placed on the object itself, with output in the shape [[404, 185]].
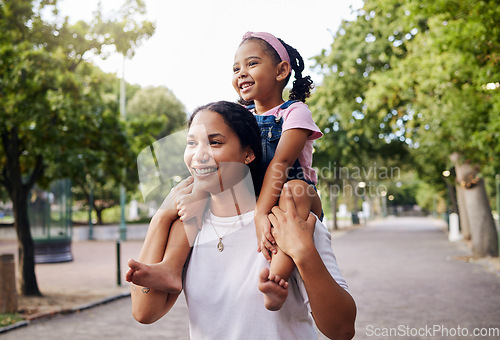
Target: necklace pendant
[[220, 246]]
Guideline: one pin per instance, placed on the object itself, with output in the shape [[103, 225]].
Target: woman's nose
[[202, 154]]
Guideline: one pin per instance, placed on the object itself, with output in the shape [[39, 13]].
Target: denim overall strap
[[270, 133], [283, 106]]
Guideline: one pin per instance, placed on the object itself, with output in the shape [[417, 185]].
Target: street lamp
[[123, 225]]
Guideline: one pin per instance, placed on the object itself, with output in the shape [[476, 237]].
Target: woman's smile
[[204, 171], [213, 152]]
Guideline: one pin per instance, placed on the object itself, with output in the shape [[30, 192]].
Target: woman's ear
[[284, 70], [250, 155]]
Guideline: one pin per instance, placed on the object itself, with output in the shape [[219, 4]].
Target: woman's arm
[[149, 305], [290, 146], [333, 308]]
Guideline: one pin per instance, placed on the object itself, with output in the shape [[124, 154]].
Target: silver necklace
[[220, 245]]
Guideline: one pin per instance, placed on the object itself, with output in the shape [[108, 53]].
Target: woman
[[219, 282]]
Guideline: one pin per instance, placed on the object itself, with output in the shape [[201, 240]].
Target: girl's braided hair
[[302, 86]]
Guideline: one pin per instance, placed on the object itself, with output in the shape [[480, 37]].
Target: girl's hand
[[169, 205], [193, 205], [292, 234], [264, 238]]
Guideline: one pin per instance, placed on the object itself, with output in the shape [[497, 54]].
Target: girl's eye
[[236, 69], [190, 142], [252, 63]]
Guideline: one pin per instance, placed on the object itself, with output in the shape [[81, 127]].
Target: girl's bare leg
[[275, 285], [166, 275]]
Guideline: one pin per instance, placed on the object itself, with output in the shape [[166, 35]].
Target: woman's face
[[213, 154]]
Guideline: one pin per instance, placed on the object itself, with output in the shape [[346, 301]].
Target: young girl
[[262, 68]]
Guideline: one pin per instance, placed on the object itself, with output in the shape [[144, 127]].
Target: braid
[[302, 86]]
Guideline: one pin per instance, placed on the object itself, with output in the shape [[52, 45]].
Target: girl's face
[[214, 155], [255, 72]]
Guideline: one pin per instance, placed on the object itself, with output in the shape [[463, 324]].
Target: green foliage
[[412, 76], [9, 319], [354, 135], [153, 113], [62, 109], [57, 111], [441, 83], [429, 198]]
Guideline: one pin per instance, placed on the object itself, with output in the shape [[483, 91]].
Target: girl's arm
[[290, 146], [332, 307]]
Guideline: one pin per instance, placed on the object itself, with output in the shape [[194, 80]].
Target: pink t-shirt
[[298, 116]]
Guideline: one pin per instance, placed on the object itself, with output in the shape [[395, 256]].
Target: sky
[[192, 49]]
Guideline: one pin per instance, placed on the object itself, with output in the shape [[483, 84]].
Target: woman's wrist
[[302, 253]]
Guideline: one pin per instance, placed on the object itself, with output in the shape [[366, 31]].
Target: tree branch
[[37, 172], [4, 180]]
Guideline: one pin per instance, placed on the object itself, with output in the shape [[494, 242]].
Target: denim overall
[[270, 134]]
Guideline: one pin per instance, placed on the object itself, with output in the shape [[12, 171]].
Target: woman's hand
[[292, 234]]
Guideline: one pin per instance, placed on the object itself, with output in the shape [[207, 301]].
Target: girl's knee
[[303, 195], [302, 191]]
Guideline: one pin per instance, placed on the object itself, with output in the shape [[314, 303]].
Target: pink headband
[[271, 40]]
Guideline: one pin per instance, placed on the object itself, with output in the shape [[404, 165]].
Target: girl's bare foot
[[274, 288], [159, 276]]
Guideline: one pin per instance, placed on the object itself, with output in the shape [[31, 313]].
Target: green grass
[[9, 319]]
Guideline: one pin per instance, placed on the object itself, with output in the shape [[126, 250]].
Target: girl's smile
[[256, 75]]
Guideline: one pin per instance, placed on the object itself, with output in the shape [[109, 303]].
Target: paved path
[[109, 321], [408, 280]]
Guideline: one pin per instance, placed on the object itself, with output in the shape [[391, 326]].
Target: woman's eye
[[215, 142]]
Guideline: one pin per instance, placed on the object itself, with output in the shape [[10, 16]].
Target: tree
[[428, 80], [153, 113], [95, 166], [442, 82], [49, 101], [354, 136]]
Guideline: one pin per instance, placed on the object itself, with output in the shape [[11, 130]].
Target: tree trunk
[[483, 230], [98, 213], [18, 191], [27, 279], [462, 213], [452, 192], [480, 219]]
